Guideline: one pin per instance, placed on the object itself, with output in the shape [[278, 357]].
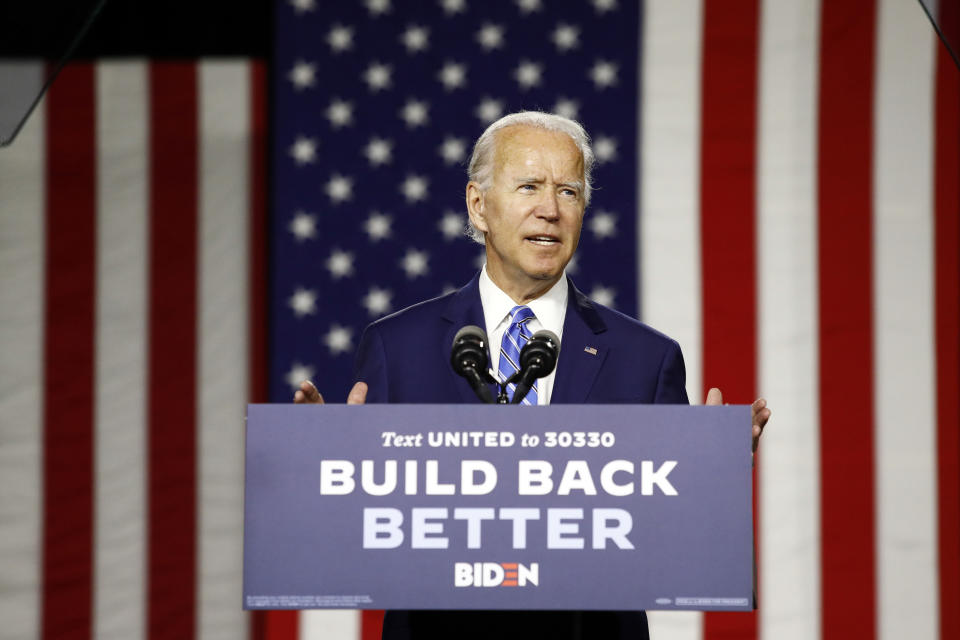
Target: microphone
[[537, 359], [469, 359]]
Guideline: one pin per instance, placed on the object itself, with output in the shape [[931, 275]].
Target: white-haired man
[[529, 187]]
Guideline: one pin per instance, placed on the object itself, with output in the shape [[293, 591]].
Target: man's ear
[[475, 208]]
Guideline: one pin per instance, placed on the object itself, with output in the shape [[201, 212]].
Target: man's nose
[[549, 208]]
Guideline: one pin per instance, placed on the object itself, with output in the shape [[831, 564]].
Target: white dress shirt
[[550, 310]]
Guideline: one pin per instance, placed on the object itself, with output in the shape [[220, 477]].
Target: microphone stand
[[518, 379], [502, 397]]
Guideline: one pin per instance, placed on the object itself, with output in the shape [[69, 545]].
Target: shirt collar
[[550, 308]]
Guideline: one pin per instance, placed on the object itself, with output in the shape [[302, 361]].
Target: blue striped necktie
[[514, 338]]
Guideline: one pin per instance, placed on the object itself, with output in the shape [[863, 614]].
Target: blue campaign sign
[[498, 507]]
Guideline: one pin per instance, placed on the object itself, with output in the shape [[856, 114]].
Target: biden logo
[[496, 574]]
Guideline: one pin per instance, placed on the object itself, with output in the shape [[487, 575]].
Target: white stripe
[[789, 495], [22, 207], [513, 342], [669, 226], [332, 625], [906, 460], [223, 307], [670, 177], [121, 327], [508, 368]]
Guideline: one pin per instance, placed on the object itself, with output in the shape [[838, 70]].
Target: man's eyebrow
[[576, 184]]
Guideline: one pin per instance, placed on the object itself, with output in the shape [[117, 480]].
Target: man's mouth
[[544, 241]]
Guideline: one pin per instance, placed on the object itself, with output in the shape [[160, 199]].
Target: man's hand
[[308, 394], [760, 413]]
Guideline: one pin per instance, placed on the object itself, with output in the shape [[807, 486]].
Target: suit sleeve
[[370, 365], [672, 380]]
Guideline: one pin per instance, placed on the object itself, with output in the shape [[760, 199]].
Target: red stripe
[[371, 625], [276, 625], [258, 232], [845, 323], [727, 188], [69, 355], [947, 239], [173, 338]]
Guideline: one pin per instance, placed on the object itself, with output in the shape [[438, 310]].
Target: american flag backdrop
[[377, 107], [778, 189], [131, 209]]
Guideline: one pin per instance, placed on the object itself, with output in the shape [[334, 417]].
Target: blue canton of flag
[[377, 105]]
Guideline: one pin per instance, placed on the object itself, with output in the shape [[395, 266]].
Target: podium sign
[[498, 507]]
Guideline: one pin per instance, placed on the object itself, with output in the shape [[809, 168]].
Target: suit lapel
[[583, 349], [464, 309]]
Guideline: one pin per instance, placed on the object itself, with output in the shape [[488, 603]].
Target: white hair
[[480, 169]]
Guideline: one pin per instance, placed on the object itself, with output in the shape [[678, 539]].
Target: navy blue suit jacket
[[405, 357], [605, 358]]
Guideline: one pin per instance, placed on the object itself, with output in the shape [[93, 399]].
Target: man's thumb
[[714, 397], [358, 395]]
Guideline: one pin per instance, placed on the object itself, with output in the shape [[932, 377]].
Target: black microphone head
[[471, 331], [469, 350], [540, 353]]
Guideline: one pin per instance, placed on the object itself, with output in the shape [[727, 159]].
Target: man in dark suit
[[606, 357], [528, 190]]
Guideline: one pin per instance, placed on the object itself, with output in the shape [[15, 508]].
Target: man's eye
[[569, 192], [527, 187]]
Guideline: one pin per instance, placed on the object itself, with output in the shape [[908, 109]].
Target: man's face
[[532, 212]]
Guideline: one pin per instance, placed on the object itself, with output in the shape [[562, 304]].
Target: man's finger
[[762, 416], [358, 395], [759, 412], [307, 394], [714, 397]]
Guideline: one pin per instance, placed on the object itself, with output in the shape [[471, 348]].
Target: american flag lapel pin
[[591, 350]]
